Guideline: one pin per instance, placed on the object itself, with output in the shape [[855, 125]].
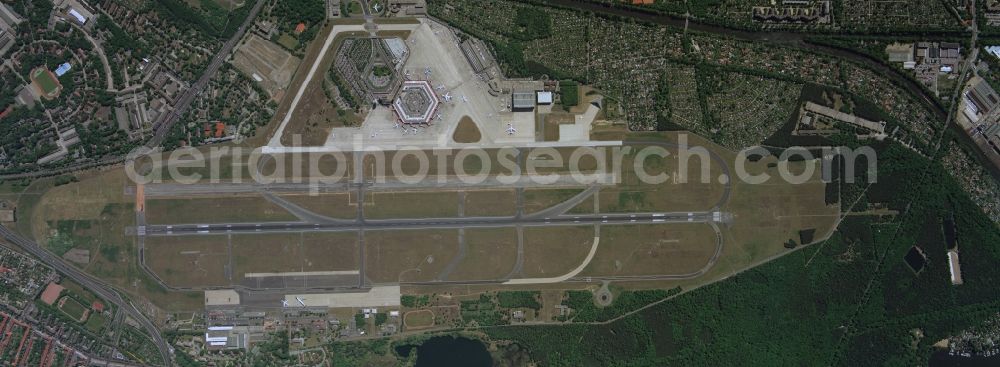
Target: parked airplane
[[375, 7], [447, 97], [284, 303], [510, 129], [302, 301], [465, 99]]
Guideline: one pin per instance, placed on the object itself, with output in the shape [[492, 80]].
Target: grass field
[[288, 41], [95, 323], [98, 199], [664, 249], [200, 261], [214, 210], [294, 253], [330, 251], [381, 205], [338, 205], [419, 319], [73, 309], [393, 256], [538, 199], [555, 251], [490, 203], [682, 191], [284, 254], [490, 254], [466, 132], [46, 81], [190, 261]]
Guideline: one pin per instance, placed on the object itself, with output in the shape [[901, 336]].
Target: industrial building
[[544, 98], [522, 101], [379, 296], [476, 54], [6, 41], [227, 337], [954, 267], [8, 18], [980, 100]]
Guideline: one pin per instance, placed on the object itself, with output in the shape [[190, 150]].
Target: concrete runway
[[433, 223], [310, 222]]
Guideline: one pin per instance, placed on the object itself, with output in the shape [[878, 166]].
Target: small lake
[[448, 351]]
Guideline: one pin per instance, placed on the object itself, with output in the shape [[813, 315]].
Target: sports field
[[73, 309], [46, 82], [419, 319]]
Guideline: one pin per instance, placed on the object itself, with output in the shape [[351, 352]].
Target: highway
[[99, 287]]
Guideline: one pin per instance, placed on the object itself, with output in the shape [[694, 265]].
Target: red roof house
[[220, 129]]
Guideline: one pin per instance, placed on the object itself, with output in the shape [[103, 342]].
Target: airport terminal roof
[[416, 102], [383, 296]]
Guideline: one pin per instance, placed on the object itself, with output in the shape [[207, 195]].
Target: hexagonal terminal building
[[416, 103]]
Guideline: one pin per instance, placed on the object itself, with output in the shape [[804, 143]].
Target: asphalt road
[[100, 288]]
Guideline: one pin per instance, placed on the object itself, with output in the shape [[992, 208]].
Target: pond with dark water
[[448, 351]]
